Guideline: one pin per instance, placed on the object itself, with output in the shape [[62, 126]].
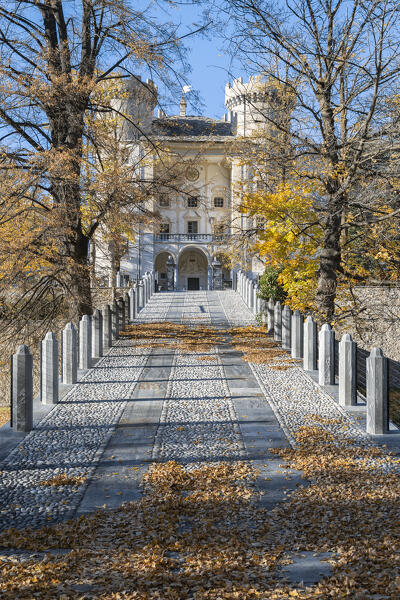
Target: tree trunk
[[329, 264]]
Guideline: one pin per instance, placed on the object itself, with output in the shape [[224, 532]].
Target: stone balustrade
[[80, 348], [316, 349]]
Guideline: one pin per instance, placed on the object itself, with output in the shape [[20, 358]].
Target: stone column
[[286, 328], [85, 343], [121, 314], [132, 305], [326, 356], [310, 345], [297, 334], [377, 393], [114, 322], [49, 370], [255, 298], [216, 275], [278, 322], [170, 264], [22, 389], [250, 294], [347, 371], [140, 295], [97, 334], [118, 280], [69, 354], [270, 316], [107, 328], [127, 301]]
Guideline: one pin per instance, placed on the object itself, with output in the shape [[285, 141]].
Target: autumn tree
[[339, 60], [54, 59]]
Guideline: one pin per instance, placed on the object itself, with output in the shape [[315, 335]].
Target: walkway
[[167, 395]]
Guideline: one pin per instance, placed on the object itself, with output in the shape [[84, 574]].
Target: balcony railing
[[189, 237]]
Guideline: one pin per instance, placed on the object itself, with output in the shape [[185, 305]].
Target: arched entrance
[[192, 270], [161, 271]]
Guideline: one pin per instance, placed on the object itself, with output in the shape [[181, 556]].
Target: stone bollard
[[297, 335], [270, 316], [140, 295], [49, 369], [255, 299], [377, 393], [121, 314], [310, 345], [85, 343], [278, 322], [114, 322], [137, 298], [22, 389], [107, 328], [69, 355], [250, 296], [326, 356], [286, 328], [132, 305], [97, 334], [127, 301], [347, 371]]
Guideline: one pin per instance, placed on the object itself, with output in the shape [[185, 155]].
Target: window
[[192, 202], [163, 201], [163, 276], [192, 227], [218, 202], [260, 223], [164, 228]]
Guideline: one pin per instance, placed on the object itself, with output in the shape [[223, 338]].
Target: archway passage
[[160, 269], [192, 270]]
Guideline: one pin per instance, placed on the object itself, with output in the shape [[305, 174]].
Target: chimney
[[182, 106]]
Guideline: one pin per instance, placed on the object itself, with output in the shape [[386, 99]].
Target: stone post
[[270, 316], [49, 370], [326, 356], [69, 354], [22, 389], [132, 305], [121, 314], [107, 328], [347, 371], [297, 334], [286, 328], [256, 299], [140, 295], [278, 322], [145, 289], [310, 345], [85, 343], [250, 293], [114, 322], [127, 301], [118, 280], [377, 393], [97, 334]]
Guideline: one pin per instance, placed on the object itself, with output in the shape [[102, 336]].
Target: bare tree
[[340, 62], [54, 57]]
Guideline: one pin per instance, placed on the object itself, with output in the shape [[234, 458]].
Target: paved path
[[139, 405]]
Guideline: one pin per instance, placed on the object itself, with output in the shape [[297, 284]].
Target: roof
[[188, 127]]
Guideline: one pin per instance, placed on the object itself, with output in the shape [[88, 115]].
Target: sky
[[210, 64]]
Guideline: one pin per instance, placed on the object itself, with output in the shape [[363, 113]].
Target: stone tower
[[137, 101], [250, 104]]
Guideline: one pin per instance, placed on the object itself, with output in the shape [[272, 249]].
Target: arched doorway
[[192, 270], [161, 271]]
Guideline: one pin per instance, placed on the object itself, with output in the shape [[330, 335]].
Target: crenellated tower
[[137, 100], [252, 105]]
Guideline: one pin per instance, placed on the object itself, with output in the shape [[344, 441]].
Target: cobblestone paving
[[69, 440], [198, 421]]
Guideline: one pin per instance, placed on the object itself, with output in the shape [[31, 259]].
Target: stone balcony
[[202, 238]]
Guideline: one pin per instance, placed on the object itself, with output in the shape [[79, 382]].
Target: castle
[[194, 221]]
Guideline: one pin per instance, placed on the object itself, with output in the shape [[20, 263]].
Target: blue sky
[[210, 64]]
